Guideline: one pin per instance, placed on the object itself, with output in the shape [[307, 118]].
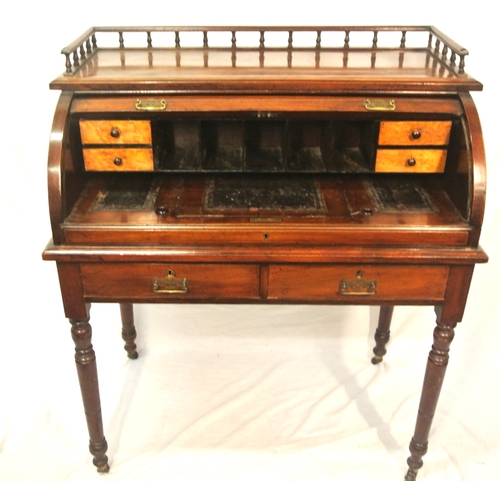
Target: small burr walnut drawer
[[160, 282], [411, 160], [118, 159], [354, 283], [414, 133], [115, 132]]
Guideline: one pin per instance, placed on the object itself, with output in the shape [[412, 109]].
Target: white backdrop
[[236, 396]]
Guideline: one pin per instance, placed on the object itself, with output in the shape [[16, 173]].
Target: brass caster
[[411, 475], [377, 359], [103, 469], [133, 355]]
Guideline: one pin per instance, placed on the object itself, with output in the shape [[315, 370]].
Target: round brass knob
[[416, 134], [411, 162], [161, 210], [118, 161], [115, 133]]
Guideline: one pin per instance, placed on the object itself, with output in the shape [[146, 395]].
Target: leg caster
[[129, 333], [415, 461], [411, 475], [100, 460], [382, 334]]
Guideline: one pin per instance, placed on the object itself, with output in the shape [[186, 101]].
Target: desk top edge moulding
[[266, 165]]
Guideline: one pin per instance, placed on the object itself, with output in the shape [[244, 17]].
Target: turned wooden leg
[[433, 381], [129, 333], [87, 375], [382, 333]]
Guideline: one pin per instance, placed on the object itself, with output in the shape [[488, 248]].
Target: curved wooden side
[[55, 170], [478, 168]]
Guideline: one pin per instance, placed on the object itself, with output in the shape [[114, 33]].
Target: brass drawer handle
[[380, 105], [170, 284], [151, 104], [411, 162], [357, 286]]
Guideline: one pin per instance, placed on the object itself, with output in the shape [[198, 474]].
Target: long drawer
[[170, 281], [344, 283]]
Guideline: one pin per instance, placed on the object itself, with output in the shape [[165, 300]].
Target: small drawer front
[[115, 131], [411, 160], [165, 282], [370, 283], [118, 159], [414, 133]]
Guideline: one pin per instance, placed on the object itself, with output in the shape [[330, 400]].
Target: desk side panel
[[55, 172], [477, 168]]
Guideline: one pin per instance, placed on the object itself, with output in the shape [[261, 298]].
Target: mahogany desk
[[332, 165]]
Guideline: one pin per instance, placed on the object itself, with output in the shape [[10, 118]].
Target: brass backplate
[[357, 286]]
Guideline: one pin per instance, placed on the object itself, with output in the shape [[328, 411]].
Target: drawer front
[[414, 133], [165, 282], [370, 283], [115, 131], [118, 159], [411, 160]]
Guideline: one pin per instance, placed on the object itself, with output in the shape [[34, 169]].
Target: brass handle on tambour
[[151, 104], [357, 286], [161, 210], [170, 284], [115, 133], [380, 105]]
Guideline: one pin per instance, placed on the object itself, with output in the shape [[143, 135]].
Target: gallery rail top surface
[[278, 59]]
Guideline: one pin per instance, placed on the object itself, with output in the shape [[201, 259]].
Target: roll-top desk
[[331, 165]]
